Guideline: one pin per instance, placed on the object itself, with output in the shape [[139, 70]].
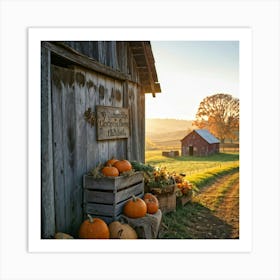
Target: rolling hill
[[166, 133]]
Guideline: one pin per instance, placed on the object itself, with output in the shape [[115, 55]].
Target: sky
[[189, 71]]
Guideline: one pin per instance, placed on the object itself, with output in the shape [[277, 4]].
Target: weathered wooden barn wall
[[77, 76]]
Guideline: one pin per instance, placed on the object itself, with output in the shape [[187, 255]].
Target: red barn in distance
[[200, 142]]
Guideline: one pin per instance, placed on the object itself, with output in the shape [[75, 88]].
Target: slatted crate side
[[110, 197], [106, 197], [108, 206], [99, 196], [167, 202], [107, 212], [127, 193], [100, 209], [98, 183], [112, 183], [107, 209]]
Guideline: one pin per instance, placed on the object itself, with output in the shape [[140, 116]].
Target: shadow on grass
[[194, 221]]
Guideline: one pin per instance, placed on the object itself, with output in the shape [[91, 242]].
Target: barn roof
[[141, 52], [206, 135], [145, 64]]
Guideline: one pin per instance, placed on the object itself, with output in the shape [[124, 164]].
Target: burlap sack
[[146, 227]]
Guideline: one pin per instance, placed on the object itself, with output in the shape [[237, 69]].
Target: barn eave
[[142, 55], [145, 65]]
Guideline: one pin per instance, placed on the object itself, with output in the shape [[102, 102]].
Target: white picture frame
[[260, 260], [243, 35]]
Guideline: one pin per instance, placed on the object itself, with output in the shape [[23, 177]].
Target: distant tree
[[219, 114]]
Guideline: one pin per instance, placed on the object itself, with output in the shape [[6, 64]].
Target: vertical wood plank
[[119, 102], [102, 52], [114, 62], [102, 100], [47, 184], [93, 49], [109, 53], [127, 105], [58, 151], [91, 100], [141, 120], [111, 101], [137, 116], [122, 56], [69, 142], [80, 154], [132, 97]]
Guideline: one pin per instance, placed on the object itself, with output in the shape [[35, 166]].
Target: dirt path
[[212, 214], [222, 198], [229, 209]]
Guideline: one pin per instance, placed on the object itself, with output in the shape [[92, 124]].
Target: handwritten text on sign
[[112, 122]]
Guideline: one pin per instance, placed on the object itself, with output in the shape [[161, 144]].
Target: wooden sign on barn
[[109, 77], [112, 122]]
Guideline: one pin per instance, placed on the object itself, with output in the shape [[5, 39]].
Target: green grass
[[213, 202], [178, 224], [197, 218], [223, 188], [202, 179], [156, 156], [198, 170]]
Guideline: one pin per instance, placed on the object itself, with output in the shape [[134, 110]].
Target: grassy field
[[213, 212], [192, 165]]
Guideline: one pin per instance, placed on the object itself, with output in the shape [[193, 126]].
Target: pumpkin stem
[[90, 218], [134, 198]]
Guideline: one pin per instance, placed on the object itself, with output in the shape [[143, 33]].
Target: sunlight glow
[[188, 71]]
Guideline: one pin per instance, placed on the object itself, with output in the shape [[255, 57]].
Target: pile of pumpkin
[[112, 168], [136, 207], [96, 228]]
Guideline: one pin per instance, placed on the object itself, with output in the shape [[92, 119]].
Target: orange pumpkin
[[135, 208], [179, 185], [94, 228], [123, 165], [111, 162], [110, 171], [151, 202]]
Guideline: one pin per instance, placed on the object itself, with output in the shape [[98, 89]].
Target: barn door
[[190, 150], [69, 148]]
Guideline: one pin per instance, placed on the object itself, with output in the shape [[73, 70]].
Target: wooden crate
[[170, 153], [105, 197], [185, 198], [166, 198]]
